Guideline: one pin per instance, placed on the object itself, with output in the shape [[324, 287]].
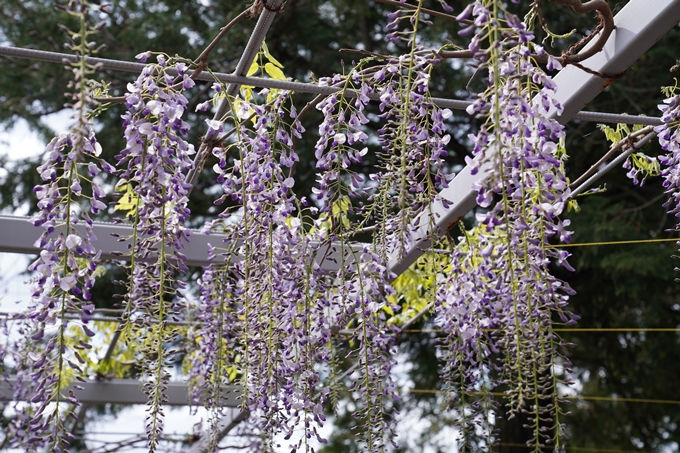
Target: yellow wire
[[634, 241], [599, 450], [623, 400], [571, 397], [545, 448], [618, 329], [575, 329]]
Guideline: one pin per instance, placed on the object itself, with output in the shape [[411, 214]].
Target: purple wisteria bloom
[[153, 163], [49, 351], [501, 297], [669, 139], [267, 308]]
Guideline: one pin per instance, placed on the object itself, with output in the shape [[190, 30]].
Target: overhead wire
[[613, 399], [609, 399], [299, 87], [586, 244], [625, 242]]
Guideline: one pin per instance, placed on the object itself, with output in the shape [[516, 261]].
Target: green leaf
[[247, 91], [274, 72], [572, 205], [128, 202], [269, 56], [253, 68]]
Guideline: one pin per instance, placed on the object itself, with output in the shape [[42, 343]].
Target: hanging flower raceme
[[267, 282], [54, 351], [361, 283], [65, 272], [411, 173], [365, 293], [213, 364], [413, 151], [153, 163], [501, 280], [669, 139]]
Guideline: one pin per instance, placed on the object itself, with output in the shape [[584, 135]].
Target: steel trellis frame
[[638, 27], [299, 87]]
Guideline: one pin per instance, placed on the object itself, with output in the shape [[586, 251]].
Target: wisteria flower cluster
[[65, 270], [357, 294], [411, 172], [669, 139], [264, 293], [500, 296], [153, 164]]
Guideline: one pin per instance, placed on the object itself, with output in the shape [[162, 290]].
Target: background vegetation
[[626, 286]]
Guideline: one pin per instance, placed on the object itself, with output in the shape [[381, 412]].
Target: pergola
[[638, 26]]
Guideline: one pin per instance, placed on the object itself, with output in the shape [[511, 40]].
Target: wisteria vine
[[500, 279], [153, 165], [65, 271], [292, 309]]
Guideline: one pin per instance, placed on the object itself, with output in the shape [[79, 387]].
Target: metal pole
[[299, 87], [614, 163], [249, 54]]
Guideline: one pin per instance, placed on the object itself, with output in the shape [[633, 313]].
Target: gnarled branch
[[604, 14], [606, 26]]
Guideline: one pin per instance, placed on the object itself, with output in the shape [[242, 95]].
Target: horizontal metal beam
[[638, 27], [17, 235], [299, 87], [126, 391]]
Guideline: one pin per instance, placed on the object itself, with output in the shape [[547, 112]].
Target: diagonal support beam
[[638, 26], [271, 7]]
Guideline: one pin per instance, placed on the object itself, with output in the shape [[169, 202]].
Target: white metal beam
[[638, 26], [126, 391], [19, 236]]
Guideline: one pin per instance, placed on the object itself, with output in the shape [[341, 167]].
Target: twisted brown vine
[[570, 56]]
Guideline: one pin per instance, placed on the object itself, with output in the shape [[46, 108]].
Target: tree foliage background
[[624, 286]]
